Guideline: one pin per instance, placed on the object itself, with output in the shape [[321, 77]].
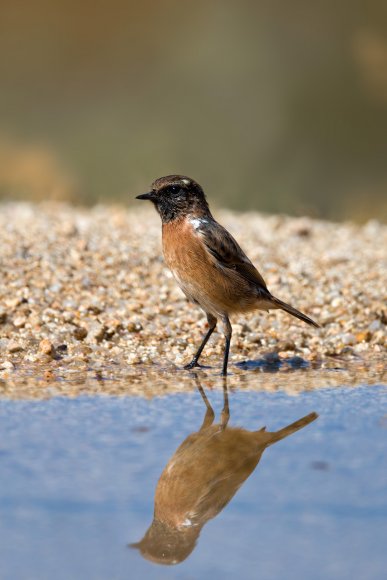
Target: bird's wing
[[227, 252]]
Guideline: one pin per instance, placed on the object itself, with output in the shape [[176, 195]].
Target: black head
[[175, 196]]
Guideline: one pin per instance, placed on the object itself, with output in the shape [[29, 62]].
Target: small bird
[[201, 478], [208, 264]]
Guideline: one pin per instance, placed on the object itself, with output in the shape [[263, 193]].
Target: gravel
[[85, 291]]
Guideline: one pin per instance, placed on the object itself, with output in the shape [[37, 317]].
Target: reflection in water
[[201, 478]]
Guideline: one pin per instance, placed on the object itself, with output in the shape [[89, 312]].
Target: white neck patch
[[197, 223]]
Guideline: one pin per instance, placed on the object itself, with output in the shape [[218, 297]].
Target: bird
[[201, 478], [207, 262]]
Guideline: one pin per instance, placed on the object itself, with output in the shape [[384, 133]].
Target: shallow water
[[78, 478]]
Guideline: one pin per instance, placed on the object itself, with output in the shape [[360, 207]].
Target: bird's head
[[166, 544], [175, 196]]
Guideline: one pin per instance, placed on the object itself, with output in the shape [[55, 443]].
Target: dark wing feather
[[228, 253]]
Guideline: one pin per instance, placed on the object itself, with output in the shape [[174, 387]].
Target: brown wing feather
[[229, 254]]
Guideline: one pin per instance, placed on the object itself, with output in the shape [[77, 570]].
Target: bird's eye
[[174, 189]]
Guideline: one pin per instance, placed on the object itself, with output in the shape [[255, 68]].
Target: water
[[78, 478]]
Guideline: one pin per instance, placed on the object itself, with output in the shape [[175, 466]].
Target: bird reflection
[[201, 478]]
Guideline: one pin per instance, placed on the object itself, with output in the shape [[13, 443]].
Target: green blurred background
[[274, 105]]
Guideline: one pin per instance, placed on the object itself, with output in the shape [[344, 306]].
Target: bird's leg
[[212, 324], [227, 331], [225, 415], [210, 415]]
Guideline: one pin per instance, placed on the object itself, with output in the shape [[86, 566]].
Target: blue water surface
[[77, 482]]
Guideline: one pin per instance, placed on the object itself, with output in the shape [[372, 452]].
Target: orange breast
[[184, 252], [217, 290]]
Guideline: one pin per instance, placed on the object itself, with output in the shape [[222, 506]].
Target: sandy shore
[[85, 290]]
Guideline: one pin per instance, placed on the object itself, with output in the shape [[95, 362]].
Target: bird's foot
[[194, 363]]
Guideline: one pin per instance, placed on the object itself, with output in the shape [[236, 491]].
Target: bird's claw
[[194, 363]]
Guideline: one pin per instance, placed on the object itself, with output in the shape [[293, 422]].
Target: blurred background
[[271, 105]]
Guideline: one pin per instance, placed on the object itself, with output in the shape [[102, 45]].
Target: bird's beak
[[149, 196]]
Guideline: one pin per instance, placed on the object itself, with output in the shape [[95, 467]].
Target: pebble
[[80, 332], [285, 345], [375, 325], [95, 281], [20, 321], [46, 347], [6, 365], [348, 338], [14, 346], [96, 331]]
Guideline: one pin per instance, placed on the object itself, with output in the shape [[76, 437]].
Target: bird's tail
[[277, 303], [292, 428]]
